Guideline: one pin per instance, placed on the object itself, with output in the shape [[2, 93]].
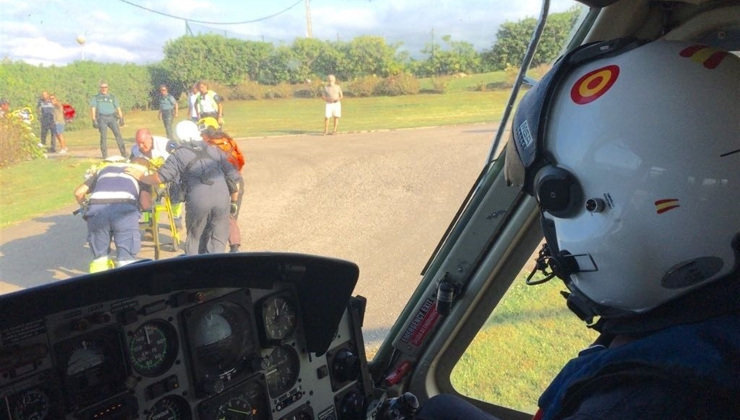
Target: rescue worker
[[210, 183], [105, 112], [213, 135], [209, 104], [111, 200], [641, 223]]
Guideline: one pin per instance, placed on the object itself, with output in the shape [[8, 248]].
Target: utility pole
[[309, 30]]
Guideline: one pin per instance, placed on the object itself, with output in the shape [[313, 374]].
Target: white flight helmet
[[633, 153], [188, 132]]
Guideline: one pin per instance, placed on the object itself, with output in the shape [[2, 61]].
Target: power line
[[211, 22]]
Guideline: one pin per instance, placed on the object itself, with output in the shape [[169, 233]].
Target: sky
[[59, 32]]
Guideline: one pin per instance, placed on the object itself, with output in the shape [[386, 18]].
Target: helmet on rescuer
[[632, 153], [208, 122], [188, 132]]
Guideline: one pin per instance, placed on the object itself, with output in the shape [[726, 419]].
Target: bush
[[439, 84], [281, 90], [17, 141], [246, 91], [310, 89], [362, 86], [400, 84], [510, 74], [75, 84], [483, 87]]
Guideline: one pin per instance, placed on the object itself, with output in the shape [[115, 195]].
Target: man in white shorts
[[332, 95]]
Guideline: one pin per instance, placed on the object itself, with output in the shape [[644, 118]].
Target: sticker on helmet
[[708, 56], [662, 206], [594, 84]]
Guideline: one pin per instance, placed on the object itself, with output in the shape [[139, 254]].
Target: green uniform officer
[[167, 110], [106, 113]]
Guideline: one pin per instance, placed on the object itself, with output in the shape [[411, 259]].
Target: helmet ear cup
[[558, 191]]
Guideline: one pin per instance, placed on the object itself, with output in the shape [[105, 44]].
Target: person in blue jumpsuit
[[635, 172], [106, 113], [210, 183], [112, 200]]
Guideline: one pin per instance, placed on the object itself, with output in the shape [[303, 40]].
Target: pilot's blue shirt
[[685, 371]]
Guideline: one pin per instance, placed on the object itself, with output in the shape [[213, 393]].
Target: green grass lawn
[[460, 104], [528, 338]]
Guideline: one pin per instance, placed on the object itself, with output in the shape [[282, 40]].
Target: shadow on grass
[[528, 316]]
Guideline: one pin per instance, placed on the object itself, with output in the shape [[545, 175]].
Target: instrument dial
[[86, 355], [153, 348], [222, 341], [281, 370], [279, 318], [221, 336], [92, 366], [170, 408], [236, 408], [247, 400]]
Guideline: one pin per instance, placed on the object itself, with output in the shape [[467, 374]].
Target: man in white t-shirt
[[332, 95]]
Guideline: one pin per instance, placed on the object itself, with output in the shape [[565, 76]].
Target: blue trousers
[[119, 222]]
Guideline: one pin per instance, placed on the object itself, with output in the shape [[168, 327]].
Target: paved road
[[380, 199]]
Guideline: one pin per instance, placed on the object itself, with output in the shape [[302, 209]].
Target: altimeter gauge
[[278, 317], [153, 348]]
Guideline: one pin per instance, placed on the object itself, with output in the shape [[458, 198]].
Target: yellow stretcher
[[163, 207]]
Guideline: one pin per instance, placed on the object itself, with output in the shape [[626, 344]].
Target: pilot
[[112, 200], [632, 153], [210, 183]]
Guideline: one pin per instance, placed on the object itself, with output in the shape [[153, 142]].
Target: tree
[[282, 66], [453, 57], [213, 57], [366, 56], [512, 40], [316, 57], [254, 56]]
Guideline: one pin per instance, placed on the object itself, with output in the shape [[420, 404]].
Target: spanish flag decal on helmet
[[594, 84], [662, 206], [708, 56]]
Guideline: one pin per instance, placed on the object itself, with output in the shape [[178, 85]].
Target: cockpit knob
[[346, 365]]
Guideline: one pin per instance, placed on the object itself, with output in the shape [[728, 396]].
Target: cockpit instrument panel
[[231, 336]]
